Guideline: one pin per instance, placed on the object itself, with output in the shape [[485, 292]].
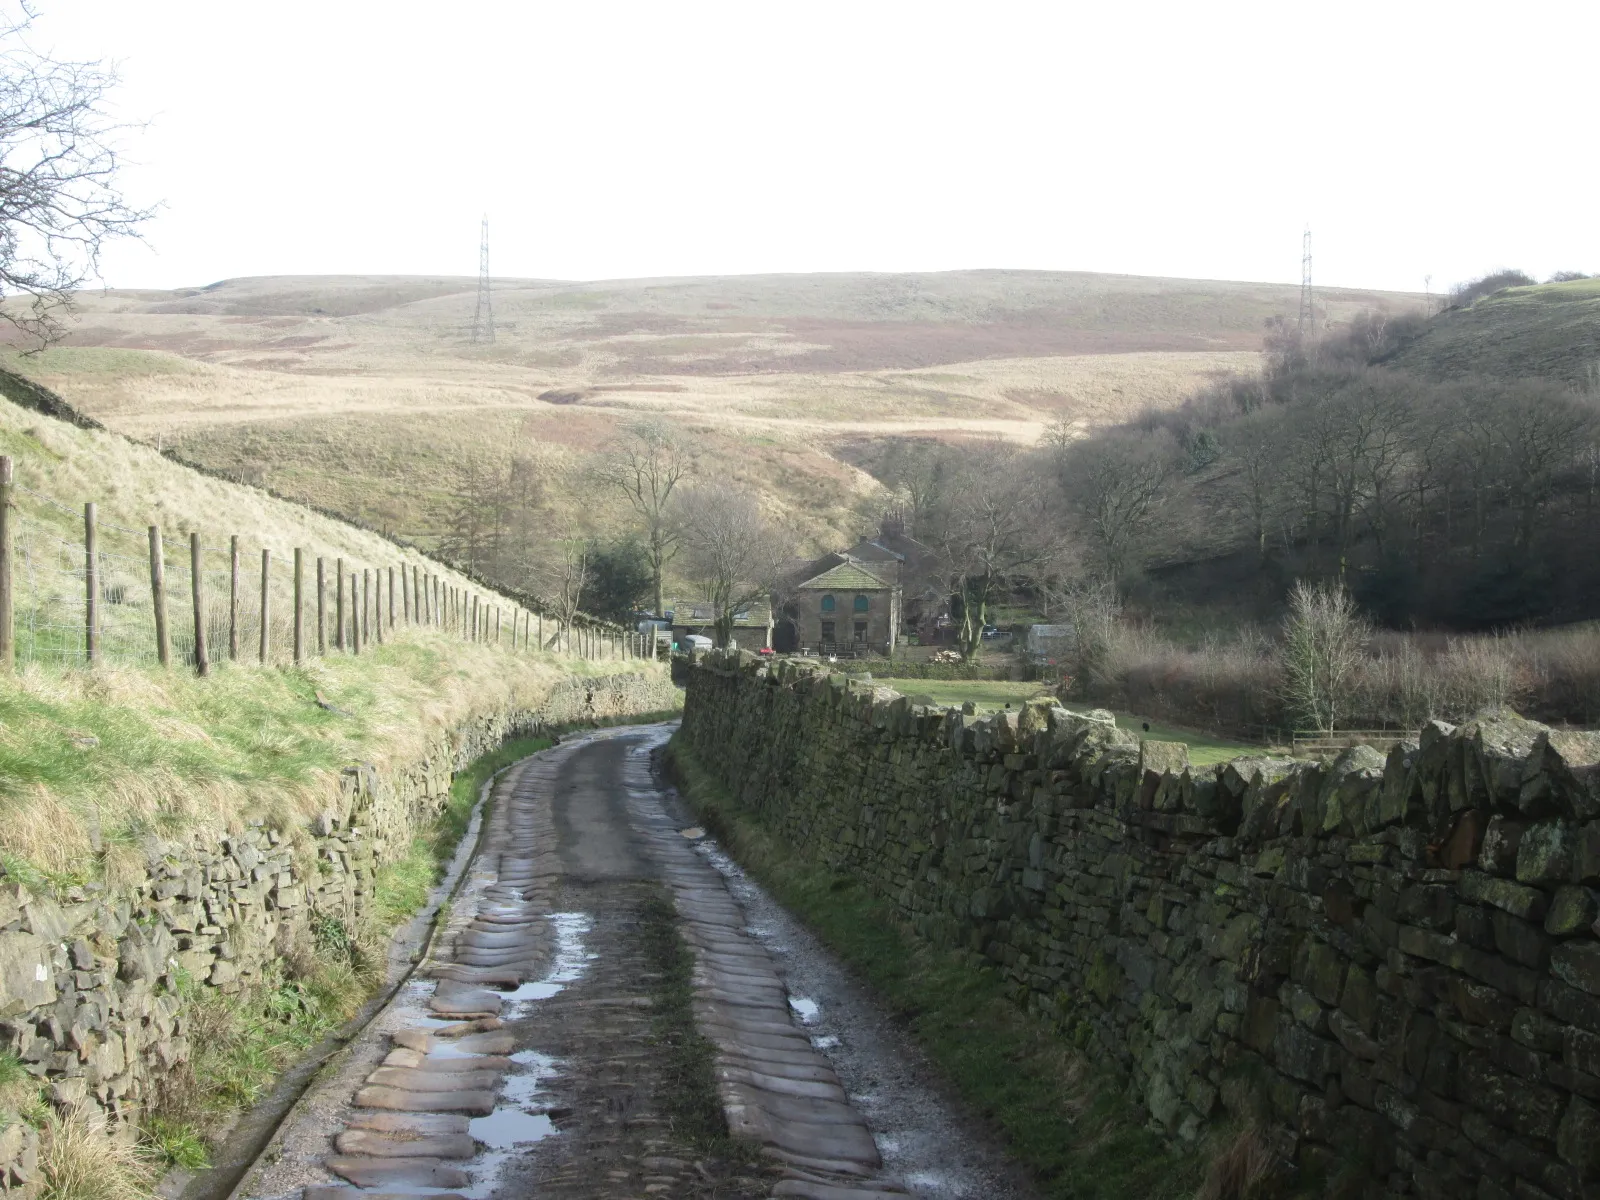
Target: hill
[[1550, 331], [367, 395]]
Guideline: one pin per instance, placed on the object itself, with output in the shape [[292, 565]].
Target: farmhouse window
[[861, 604], [861, 631], [827, 631], [827, 604]]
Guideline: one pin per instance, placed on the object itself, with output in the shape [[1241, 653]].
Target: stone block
[[1545, 856], [1578, 1139], [1431, 906], [1573, 911], [1521, 941], [1520, 901], [1577, 963], [27, 975], [1303, 1055]]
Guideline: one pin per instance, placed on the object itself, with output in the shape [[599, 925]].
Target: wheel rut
[[526, 1058]]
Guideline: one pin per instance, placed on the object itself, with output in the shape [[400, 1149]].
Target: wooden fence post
[[355, 613], [91, 585], [377, 601], [405, 594], [322, 605], [366, 603], [8, 618], [299, 607], [197, 576], [338, 607], [391, 597], [158, 597], [233, 598], [266, 603]]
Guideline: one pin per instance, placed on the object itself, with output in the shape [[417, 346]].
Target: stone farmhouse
[[846, 608]]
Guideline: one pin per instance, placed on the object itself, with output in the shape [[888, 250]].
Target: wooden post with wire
[[266, 604], [197, 575], [299, 607], [91, 585], [233, 598], [322, 604], [338, 607], [8, 611], [158, 597], [391, 598]]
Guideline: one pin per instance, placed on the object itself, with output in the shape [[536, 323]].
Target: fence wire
[[51, 601]]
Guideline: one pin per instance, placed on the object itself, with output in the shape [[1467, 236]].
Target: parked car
[[991, 631]]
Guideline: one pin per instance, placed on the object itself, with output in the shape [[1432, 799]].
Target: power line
[[483, 316], [1308, 316]]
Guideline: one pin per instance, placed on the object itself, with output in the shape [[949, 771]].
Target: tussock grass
[[78, 1161], [1244, 1169], [1068, 1121]]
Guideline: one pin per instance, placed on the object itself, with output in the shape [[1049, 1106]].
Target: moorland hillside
[[367, 395]]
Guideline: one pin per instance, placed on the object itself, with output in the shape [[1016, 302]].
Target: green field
[[991, 696]]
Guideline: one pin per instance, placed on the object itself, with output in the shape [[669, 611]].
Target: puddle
[[805, 1009], [447, 1049], [571, 958], [826, 1042], [507, 1127]]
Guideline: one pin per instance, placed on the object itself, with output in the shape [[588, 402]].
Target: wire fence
[[76, 589]]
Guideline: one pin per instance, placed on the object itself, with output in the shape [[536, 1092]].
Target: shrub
[[1464, 294]]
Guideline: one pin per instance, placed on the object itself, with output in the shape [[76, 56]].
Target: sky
[[623, 140]]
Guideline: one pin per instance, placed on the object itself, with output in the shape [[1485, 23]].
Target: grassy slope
[[1550, 330], [125, 749]]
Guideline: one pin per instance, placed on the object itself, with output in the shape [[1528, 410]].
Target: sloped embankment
[[97, 976]]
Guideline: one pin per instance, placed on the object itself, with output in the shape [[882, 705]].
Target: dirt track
[[544, 1049]]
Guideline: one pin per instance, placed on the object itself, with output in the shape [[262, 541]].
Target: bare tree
[[646, 467], [59, 166], [1254, 447], [917, 472], [558, 572], [1325, 640], [487, 512], [994, 530], [733, 553], [1118, 483]]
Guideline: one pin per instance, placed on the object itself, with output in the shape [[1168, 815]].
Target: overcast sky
[[636, 139]]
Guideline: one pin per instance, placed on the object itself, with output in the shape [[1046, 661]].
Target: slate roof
[[846, 577], [692, 613]]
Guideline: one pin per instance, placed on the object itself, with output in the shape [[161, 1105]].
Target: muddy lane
[[547, 1045]]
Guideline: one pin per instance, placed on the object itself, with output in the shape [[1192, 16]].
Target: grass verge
[[1070, 1123]]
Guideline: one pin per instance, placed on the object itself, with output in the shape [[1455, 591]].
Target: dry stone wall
[[1391, 963], [89, 998]]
